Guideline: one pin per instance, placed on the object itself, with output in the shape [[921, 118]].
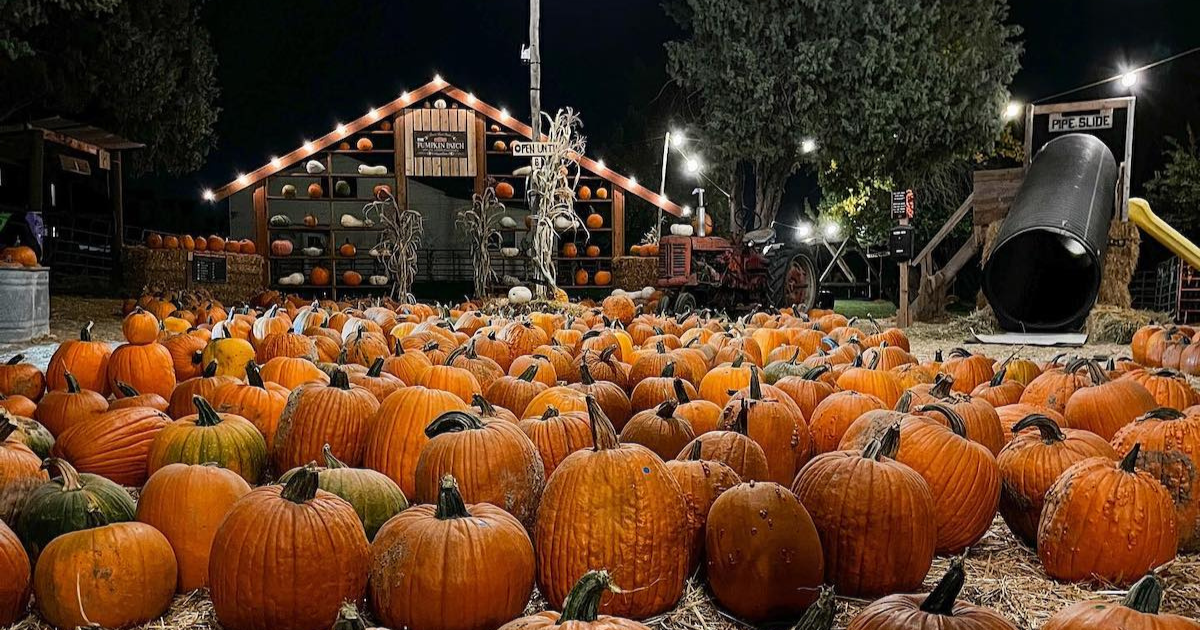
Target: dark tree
[[890, 91], [1175, 190], [144, 69]]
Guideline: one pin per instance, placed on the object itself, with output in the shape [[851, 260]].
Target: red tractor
[[715, 272]]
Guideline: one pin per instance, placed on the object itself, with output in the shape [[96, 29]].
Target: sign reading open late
[[1081, 122]]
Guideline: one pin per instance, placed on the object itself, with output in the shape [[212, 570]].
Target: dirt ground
[[1001, 573]]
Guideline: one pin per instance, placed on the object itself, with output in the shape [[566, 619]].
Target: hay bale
[[168, 271], [632, 273], [1120, 261], [1115, 324]]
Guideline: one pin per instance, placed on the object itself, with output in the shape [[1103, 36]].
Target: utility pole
[[535, 68]]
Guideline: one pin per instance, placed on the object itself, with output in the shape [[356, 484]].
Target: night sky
[[292, 69]]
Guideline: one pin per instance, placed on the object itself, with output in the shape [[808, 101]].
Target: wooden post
[[903, 315], [535, 69], [118, 206], [259, 198]]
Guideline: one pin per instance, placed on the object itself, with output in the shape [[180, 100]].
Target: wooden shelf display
[[436, 130]]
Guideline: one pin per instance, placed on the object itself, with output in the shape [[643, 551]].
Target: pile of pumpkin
[[437, 464], [190, 243]]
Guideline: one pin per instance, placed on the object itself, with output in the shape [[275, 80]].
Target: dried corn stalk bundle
[[550, 193], [482, 222], [398, 242]]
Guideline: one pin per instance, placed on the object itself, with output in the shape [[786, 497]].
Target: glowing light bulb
[[832, 230], [275, 161], [504, 112], [693, 166], [341, 129], [600, 164], [1012, 110], [1129, 79], [209, 195], [808, 145], [804, 230], [686, 211]]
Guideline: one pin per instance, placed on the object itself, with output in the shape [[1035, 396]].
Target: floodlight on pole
[[1129, 79], [1012, 110], [808, 145], [692, 165]]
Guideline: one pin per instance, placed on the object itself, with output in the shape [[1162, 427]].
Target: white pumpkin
[[351, 221], [682, 229], [523, 171], [509, 252], [618, 292], [647, 292], [377, 280], [292, 279], [508, 222], [364, 169], [311, 251], [519, 295], [440, 103], [563, 223], [314, 167]]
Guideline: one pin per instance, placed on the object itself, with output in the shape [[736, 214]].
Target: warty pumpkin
[[15, 588], [1054, 386], [701, 482], [1139, 610], [84, 357], [112, 576], [336, 414], [1074, 538], [594, 485], [494, 462], [186, 503], [114, 444], [227, 440], [147, 367], [891, 545], [396, 433], [940, 608], [418, 560], [374, 497], [1037, 455], [763, 553], [278, 537], [1170, 451]]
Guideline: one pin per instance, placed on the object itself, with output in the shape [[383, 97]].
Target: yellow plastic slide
[[1159, 230]]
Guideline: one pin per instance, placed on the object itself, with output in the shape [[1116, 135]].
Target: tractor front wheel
[[792, 280]]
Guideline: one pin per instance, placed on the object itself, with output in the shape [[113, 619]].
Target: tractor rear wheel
[[792, 280]]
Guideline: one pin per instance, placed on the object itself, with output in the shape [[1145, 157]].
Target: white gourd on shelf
[[519, 295], [682, 229], [314, 167]]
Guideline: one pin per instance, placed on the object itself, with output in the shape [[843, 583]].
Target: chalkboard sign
[[210, 269]]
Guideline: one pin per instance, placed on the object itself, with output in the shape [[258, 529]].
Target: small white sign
[[530, 149], [1081, 122], [537, 161]]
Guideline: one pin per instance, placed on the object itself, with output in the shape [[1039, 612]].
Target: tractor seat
[[758, 237]]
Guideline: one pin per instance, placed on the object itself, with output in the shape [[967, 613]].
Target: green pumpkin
[[289, 191], [61, 506], [777, 370], [230, 441], [374, 496], [37, 437], [342, 188]]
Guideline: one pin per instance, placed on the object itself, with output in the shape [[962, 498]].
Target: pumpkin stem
[[815, 373], [937, 355], [940, 601], [1096, 373], [450, 502], [453, 422], [741, 422], [737, 363], [376, 368], [885, 446], [795, 357], [755, 384], [17, 358], [331, 460], [607, 353], [348, 618], [529, 373], [7, 428], [1129, 462], [942, 384], [955, 421], [583, 602], [666, 409], [210, 370], [254, 375], [820, 615], [127, 390], [604, 436], [1162, 413], [960, 353], [302, 487], [399, 349], [485, 407], [339, 379], [72, 383], [668, 370], [1047, 427], [1145, 596], [681, 395], [905, 403], [206, 416], [998, 377], [70, 476], [458, 352], [585, 373], [550, 412], [85, 334], [694, 452]]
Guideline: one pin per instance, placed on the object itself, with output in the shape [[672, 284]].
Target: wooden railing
[[934, 283]]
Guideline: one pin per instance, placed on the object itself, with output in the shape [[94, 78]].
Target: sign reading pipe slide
[[1060, 123]]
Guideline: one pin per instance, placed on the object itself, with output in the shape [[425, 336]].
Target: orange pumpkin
[[201, 244], [592, 251], [364, 144], [85, 358], [216, 243], [188, 242], [248, 246], [20, 254], [348, 249], [336, 414], [601, 193], [570, 250], [319, 276], [603, 278], [314, 191], [171, 242], [153, 241], [504, 190], [351, 278], [15, 589], [594, 220], [581, 277], [114, 444], [148, 368]]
